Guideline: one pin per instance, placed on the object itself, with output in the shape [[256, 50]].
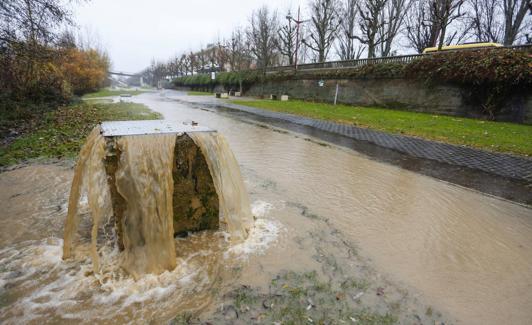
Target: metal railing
[[361, 62]]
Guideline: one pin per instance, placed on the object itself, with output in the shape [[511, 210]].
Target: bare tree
[[514, 14], [304, 53], [185, 64], [486, 20], [67, 39], [155, 72], [33, 21], [392, 19], [420, 27], [347, 48], [444, 12], [193, 61], [429, 21], [27, 29], [222, 55], [239, 54], [370, 23], [323, 27], [175, 66], [262, 36], [202, 58], [287, 40]]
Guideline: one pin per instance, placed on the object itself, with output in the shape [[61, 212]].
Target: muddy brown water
[[463, 253]]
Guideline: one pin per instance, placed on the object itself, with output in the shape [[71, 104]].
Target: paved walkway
[[505, 165]]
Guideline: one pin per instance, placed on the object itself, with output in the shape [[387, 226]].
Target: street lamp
[[298, 22]]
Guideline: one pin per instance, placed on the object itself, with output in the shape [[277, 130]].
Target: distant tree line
[[40, 58], [351, 29]]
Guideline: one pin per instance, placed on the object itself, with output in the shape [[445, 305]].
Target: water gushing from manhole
[[131, 180]]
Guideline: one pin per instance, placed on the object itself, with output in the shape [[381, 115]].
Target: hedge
[[226, 79], [488, 77]]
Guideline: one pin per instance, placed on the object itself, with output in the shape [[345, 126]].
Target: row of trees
[[40, 63], [349, 29]]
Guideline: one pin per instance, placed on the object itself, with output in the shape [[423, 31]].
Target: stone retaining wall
[[399, 94]]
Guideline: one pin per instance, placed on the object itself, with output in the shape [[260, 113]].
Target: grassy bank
[[111, 92], [296, 298], [495, 136], [60, 133]]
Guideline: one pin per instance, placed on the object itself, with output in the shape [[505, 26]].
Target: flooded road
[[431, 250], [468, 253]]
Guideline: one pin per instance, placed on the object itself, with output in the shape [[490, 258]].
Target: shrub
[[85, 70], [226, 79], [488, 77], [497, 66], [51, 75]]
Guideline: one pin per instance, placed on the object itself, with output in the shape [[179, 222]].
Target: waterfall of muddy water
[[144, 179], [85, 278], [235, 213], [90, 171]]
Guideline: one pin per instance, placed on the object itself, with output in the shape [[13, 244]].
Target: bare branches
[[262, 36], [392, 18], [428, 23], [514, 15], [370, 22], [287, 40], [239, 52], [323, 27], [33, 21], [352, 27], [420, 28], [443, 13], [28, 29], [486, 20], [347, 48]]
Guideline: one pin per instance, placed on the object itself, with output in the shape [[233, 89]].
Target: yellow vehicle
[[467, 46]]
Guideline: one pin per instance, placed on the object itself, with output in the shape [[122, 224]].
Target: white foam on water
[[45, 285], [157, 292], [263, 233], [261, 208], [261, 236], [27, 267]]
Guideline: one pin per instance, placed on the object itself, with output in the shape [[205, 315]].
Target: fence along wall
[[389, 59]]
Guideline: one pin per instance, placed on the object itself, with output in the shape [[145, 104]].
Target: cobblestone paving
[[496, 163]]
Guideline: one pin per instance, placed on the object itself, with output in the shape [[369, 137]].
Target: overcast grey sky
[[135, 31]]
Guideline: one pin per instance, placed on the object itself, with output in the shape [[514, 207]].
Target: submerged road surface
[[466, 253]]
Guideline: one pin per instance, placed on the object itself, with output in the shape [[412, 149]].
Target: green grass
[[291, 294], [110, 92], [199, 93], [495, 136], [61, 132]]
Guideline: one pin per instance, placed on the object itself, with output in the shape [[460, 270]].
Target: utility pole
[[298, 22]]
